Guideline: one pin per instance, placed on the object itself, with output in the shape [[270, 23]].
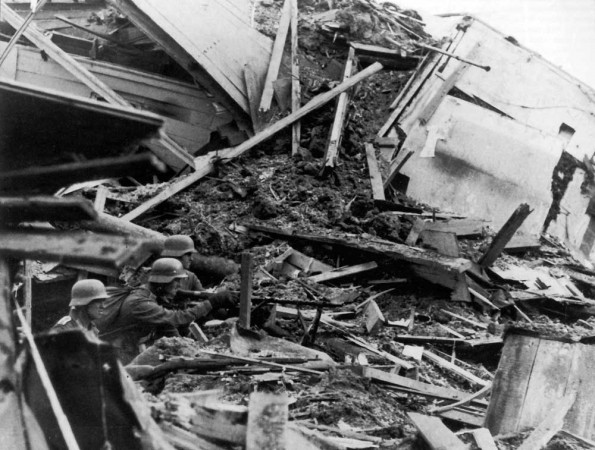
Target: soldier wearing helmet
[[85, 306], [141, 313], [182, 247]]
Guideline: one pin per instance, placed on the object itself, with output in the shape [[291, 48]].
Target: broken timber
[[435, 433], [445, 364], [375, 175], [428, 265], [45, 208], [165, 144], [276, 56], [295, 78], [205, 164], [332, 150], [504, 235], [343, 272]]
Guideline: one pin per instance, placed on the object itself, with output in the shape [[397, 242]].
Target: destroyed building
[[403, 216]]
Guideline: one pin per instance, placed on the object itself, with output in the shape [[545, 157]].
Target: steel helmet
[[164, 270], [85, 291], [178, 245]]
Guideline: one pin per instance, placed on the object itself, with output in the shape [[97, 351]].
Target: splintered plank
[[375, 176], [435, 433], [276, 56], [45, 208], [510, 384], [447, 365], [419, 387], [344, 272], [267, 421], [332, 150], [77, 248], [204, 164], [505, 235], [443, 242], [461, 227], [164, 144], [296, 95]]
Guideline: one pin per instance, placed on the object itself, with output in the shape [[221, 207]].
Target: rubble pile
[[368, 317]]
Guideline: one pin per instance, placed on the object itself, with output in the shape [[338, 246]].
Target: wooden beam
[[296, 96], [74, 247], [246, 291], [204, 164], [28, 290], [45, 208], [375, 176], [374, 318], [332, 150], [276, 56], [443, 242], [435, 433], [332, 275], [100, 198], [465, 401], [474, 323], [483, 439], [50, 178], [552, 423], [105, 223], [453, 368], [504, 235], [91, 81], [267, 421]]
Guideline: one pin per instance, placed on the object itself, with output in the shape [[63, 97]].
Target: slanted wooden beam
[[296, 96], [504, 235], [45, 208], [276, 56], [375, 176], [447, 365], [105, 223], [332, 151], [73, 247], [435, 433], [99, 87], [204, 164], [19, 32], [344, 272], [246, 290], [465, 401]]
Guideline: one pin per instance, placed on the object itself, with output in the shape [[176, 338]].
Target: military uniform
[[140, 314]]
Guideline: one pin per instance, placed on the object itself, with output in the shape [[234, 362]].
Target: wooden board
[[375, 175], [374, 318], [45, 208], [436, 435], [447, 365], [296, 96], [75, 247], [336, 274], [484, 440], [443, 242], [461, 227]]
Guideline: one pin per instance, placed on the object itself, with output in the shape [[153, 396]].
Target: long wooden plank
[[344, 272], [276, 56], [454, 368], [94, 83], [435, 433], [504, 235], [72, 247], [375, 176], [45, 208], [332, 150], [474, 323], [204, 164], [246, 290], [483, 391], [296, 95], [419, 386]]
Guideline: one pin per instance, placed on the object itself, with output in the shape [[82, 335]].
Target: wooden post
[[246, 290], [11, 417], [504, 235], [295, 78], [28, 291], [100, 198]]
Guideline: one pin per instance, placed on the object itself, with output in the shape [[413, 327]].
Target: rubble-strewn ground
[[269, 187]]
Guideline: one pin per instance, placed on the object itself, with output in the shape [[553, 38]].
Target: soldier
[[141, 314], [182, 247], [85, 306]]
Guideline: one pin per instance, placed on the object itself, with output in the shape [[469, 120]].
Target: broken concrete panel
[[481, 171]]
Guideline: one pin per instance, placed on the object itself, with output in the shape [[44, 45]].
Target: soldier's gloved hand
[[222, 299]]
